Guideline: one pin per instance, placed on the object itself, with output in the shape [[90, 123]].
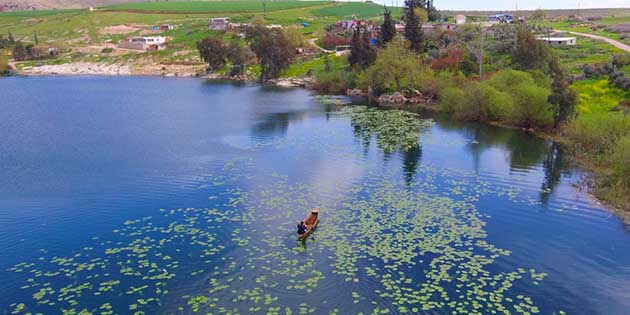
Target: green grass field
[[597, 96], [215, 6], [587, 51], [361, 10]]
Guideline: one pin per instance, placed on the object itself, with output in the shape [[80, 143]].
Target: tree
[[562, 99], [19, 52], [362, 53], [213, 51], [413, 31], [388, 28], [530, 53], [4, 64], [36, 39], [294, 36], [239, 57], [433, 13], [396, 67], [272, 50], [11, 38]]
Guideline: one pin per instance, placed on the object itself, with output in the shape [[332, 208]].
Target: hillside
[[21, 5]]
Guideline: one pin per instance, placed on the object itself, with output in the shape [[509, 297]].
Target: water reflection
[[525, 151], [411, 161], [554, 165]]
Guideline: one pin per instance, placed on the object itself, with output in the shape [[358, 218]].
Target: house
[[501, 18], [167, 27], [219, 24], [559, 41], [147, 43], [460, 19]]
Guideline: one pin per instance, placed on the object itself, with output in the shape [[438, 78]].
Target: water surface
[[177, 196]]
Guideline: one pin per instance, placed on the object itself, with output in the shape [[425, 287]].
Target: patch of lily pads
[[383, 246]]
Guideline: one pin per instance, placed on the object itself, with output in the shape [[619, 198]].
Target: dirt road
[[613, 42]]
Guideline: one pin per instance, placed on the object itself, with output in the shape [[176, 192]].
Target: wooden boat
[[310, 221]]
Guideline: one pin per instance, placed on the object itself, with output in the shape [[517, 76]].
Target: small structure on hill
[[460, 19], [219, 24], [501, 18], [146, 43], [559, 41], [167, 27]]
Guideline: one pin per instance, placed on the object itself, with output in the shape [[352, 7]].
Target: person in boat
[[301, 228]]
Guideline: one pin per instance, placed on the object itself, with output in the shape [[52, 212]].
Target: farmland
[[214, 6]]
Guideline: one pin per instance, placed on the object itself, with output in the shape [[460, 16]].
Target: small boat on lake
[[310, 221]]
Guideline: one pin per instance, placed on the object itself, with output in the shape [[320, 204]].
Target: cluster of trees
[[535, 94], [272, 48]]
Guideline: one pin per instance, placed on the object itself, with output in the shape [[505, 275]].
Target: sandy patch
[[118, 29], [80, 68]]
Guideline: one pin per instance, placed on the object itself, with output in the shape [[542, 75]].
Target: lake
[[177, 196]]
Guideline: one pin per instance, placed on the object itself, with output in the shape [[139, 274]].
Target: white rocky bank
[[79, 68]]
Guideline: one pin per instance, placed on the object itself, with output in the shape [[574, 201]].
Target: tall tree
[[388, 28], [239, 57], [19, 51], [213, 51], [433, 13], [530, 53], [11, 38], [413, 31], [362, 53], [36, 39], [272, 50], [563, 99]]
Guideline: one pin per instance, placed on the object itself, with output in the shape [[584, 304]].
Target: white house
[[559, 41], [460, 19], [144, 43], [219, 24]]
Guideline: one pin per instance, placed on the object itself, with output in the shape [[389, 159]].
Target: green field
[[215, 6], [587, 51], [361, 10]]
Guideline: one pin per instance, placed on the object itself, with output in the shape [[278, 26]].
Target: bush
[[334, 82], [531, 108], [598, 133], [107, 50], [619, 161], [453, 99]]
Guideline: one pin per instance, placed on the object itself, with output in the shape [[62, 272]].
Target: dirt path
[[613, 42]]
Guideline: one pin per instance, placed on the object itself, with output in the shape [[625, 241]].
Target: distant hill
[[21, 5]]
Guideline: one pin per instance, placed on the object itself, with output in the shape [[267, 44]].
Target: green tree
[[563, 99], [19, 52], [11, 38], [35, 38], [396, 68], [294, 36], [272, 50], [388, 28], [4, 63], [530, 53], [413, 30], [362, 53], [239, 57], [213, 51]]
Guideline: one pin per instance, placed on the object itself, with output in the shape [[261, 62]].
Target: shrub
[[107, 50], [452, 100], [619, 161], [598, 133], [333, 81], [531, 108]]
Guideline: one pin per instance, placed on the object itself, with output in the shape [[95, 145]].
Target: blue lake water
[[179, 196]]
